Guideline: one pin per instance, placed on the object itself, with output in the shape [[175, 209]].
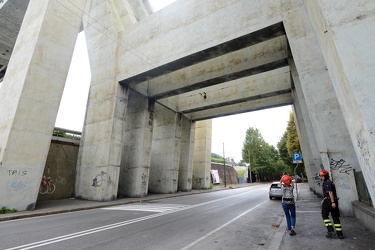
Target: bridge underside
[[158, 78], [244, 74]]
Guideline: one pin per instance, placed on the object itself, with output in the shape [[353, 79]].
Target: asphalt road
[[242, 218]]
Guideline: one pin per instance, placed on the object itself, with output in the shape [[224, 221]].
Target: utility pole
[[250, 166], [225, 172]]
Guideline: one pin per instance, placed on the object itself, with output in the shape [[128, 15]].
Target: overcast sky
[[230, 130]]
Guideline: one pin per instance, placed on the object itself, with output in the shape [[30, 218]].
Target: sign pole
[[295, 177], [297, 158]]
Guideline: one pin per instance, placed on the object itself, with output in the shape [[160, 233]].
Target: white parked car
[[275, 190]]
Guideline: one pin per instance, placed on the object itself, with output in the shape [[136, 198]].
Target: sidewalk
[[310, 227]]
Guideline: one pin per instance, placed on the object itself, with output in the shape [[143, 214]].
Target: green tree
[[292, 142], [292, 145], [287, 163], [261, 156]]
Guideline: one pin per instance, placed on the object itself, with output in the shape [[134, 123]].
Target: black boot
[[330, 235], [340, 235]]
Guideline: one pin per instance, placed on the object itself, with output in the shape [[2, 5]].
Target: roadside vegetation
[[5, 210], [267, 162]]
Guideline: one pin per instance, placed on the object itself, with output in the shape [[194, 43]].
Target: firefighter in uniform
[[330, 205]]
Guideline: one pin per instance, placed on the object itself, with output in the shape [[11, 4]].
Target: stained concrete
[[193, 60]]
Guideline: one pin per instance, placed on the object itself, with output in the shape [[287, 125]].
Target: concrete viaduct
[[159, 77]]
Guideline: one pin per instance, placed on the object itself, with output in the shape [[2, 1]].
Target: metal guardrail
[[61, 134]]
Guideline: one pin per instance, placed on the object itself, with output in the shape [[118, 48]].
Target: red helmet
[[286, 180], [323, 172]]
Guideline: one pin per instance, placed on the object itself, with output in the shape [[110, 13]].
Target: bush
[[5, 210]]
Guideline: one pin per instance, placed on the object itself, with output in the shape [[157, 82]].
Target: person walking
[[330, 205], [288, 203]]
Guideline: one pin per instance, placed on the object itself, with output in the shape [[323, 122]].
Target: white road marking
[[221, 227], [148, 207], [121, 224]]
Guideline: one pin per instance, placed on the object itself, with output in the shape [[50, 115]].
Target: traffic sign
[[297, 157]]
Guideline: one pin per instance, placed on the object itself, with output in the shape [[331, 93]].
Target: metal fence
[[363, 194]]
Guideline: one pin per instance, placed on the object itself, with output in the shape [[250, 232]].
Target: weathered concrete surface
[[345, 42], [329, 126], [11, 16], [32, 86], [104, 129], [185, 172], [204, 59], [135, 160], [202, 155], [59, 172], [165, 152]]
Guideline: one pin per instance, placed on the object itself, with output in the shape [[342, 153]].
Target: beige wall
[[60, 167]]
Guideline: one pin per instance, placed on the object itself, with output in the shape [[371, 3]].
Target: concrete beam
[[244, 41], [262, 57]]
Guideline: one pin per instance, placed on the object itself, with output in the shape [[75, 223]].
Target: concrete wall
[[60, 171], [230, 173]]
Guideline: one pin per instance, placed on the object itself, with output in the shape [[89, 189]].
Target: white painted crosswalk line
[[148, 207]]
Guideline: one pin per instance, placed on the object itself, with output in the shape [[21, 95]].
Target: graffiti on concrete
[[317, 178], [363, 146], [17, 186], [344, 182], [100, 178], [339, 165], [46, 186], [144, 179], [17, 172], [199, 180], [60, 180], [165, 180]]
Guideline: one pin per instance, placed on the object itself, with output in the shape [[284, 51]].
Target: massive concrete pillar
[[309, 146], [165, 153], [345, 34], [327, 119], [103, 134], [30, 97], [202, 155], [185, 174], [135, 162]]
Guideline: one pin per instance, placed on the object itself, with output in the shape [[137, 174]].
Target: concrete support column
[[165, 153], [202, 155], [346, 33], [30, 96], [309, 146], [135, 162], [329, 127], [103, 134], [185, 174]]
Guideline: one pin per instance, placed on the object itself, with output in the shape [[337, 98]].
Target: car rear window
[[275, 186]]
